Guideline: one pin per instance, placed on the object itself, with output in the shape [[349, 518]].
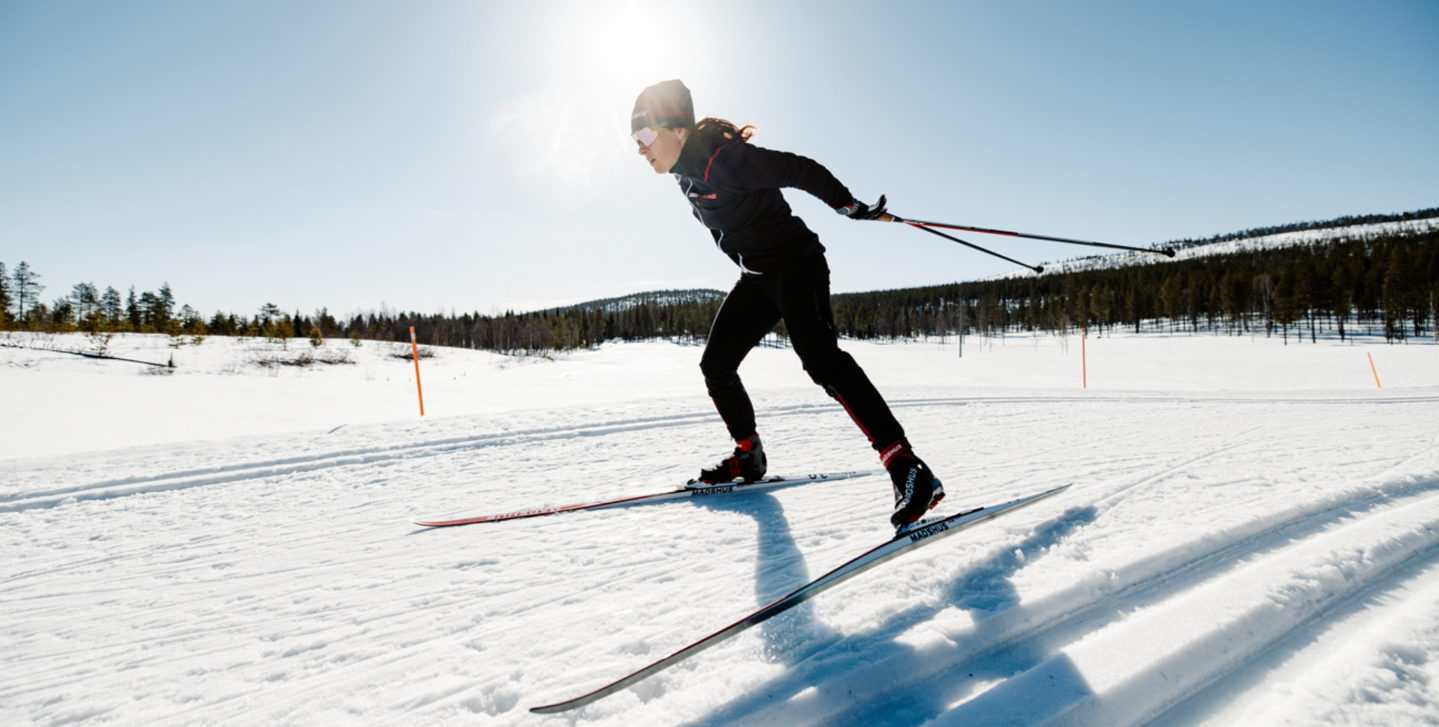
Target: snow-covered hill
[[653, 297], [1260, 242], [1252, 538]]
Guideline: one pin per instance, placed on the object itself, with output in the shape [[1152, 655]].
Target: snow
[[1252, 537]]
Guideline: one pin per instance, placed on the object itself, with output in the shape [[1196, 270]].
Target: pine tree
[[110, 307], [152, 314], [85, 298], [27, 289], [165, 306], [132, 311], [4, 297]]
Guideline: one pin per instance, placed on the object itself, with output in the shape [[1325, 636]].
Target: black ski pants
[[798, 294]]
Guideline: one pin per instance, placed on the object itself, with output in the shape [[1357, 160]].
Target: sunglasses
[[646, 136]]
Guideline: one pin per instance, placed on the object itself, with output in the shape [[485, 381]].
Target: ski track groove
[[1382, 581], [381, 456], [1118, 709], [1200, 705], [1074, 615], [392, 618], [1337, 510]]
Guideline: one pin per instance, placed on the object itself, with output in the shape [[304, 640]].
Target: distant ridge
[[1345, 221], [653, 297], [1258, 238]]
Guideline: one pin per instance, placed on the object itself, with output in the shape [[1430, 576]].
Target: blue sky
[[439, 156]]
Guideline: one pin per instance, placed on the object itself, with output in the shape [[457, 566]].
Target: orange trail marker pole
[[415, 351], [1083, 356], [1376, 371]]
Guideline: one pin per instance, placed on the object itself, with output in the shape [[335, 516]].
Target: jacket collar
[[694, 157]]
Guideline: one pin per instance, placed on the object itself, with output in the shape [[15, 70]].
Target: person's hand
[[857, 210]]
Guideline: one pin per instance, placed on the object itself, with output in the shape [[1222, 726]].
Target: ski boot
[[747, 463], [916, 489]]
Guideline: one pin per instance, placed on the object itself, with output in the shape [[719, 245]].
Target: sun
[[572, 127], [621, 47]]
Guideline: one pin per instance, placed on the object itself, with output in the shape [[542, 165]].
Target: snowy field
[[1252, 538]]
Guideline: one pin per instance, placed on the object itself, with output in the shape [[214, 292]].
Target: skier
[[734, 188]]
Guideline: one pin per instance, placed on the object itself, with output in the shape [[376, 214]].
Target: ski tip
[[1047, 493], [577, 702]]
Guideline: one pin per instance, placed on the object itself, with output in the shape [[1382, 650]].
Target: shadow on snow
[[984, 589]]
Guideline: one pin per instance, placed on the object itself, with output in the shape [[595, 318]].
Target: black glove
[[857, 210]]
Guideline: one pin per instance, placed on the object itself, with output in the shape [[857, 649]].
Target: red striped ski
[[679, 493]]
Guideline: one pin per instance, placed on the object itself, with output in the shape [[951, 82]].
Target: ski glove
[[857, 210]]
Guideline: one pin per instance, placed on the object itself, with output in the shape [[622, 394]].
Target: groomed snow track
[[1211, 545]]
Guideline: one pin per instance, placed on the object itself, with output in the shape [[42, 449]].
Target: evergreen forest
[[1375, 285]]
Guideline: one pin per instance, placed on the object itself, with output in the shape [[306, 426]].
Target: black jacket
[[734, 189]]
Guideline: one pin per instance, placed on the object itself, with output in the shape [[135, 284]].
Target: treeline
[[549, 330], [87, 308], [665, 314], [1385, 284], [1381, 285]]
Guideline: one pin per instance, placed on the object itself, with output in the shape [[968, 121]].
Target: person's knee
[[718, 375], [711, 367], [830, 369]]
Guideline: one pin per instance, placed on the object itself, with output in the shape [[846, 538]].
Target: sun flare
[[574, 129], [621, 47]]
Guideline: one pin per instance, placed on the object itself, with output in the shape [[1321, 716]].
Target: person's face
[[664, 148]]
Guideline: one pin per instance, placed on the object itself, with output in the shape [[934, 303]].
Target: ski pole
[[1162, 251], [918, 226]]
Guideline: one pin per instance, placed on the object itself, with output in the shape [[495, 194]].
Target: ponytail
[[719, 131]]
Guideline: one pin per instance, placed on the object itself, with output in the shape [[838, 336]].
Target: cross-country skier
[[734, 188]]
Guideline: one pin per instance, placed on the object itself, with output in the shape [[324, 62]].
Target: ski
[[918, 535], [678, 493]]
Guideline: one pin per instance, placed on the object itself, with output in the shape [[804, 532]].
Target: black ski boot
[[916, 489], [747, 463]]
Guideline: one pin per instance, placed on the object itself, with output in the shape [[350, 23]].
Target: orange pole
[[415, 351], [1084, 357], [1376, 371]]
